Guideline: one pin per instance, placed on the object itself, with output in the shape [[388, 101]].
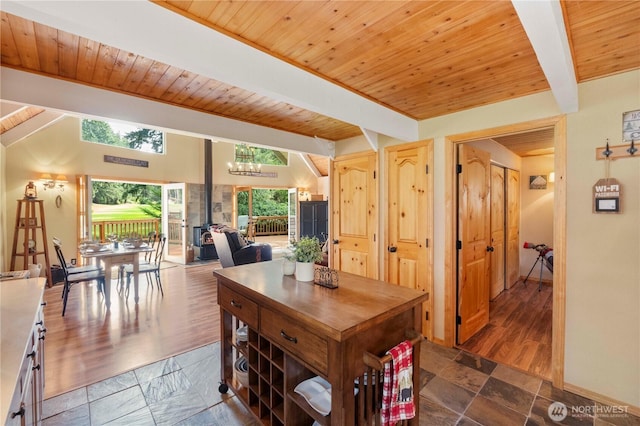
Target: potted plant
[[306, 252]]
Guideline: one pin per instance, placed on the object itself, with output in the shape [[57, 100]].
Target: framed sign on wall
[[631, 126], [606, 196]]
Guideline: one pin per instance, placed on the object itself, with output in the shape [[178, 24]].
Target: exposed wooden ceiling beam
[[371, 137], [312, 167], [77, 99], [543, 22], [142, 29], [29, 127]]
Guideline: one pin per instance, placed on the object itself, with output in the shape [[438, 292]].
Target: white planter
[[288, 267], [304, 271]]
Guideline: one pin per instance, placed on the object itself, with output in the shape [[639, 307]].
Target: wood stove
[[203, 240]]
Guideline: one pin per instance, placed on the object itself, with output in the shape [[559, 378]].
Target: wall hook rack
[[616, 151]]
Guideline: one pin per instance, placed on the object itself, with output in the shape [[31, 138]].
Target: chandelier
[[245, 164]]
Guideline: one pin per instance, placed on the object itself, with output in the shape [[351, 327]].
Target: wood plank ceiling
[[421, 58]]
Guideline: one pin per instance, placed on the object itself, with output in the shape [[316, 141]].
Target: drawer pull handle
[[40, 322], [289, 338], [37, 367], [32, 354], [20, 413], [236, 304]]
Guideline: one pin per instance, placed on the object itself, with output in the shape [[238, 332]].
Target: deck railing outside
[[124, 228], [268, 225], [259, 225]]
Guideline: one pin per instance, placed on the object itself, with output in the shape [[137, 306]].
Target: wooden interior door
[[354, 207], [408, 254], [513, 227], [497, 230], [474, 229]]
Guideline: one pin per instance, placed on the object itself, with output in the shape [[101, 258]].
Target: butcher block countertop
[[340, 313]]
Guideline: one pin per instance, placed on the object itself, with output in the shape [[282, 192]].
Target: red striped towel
[[397, 389]]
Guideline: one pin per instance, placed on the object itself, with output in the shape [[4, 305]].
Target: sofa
[[234, 250]]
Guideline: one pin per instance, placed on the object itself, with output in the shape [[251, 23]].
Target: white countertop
[[19, 304]]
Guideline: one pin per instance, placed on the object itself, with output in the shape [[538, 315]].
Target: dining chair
[[152, 237], [76, 277], [72, 269], [150, 269]]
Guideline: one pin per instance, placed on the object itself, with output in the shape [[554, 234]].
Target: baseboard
[[438, 341], [605, 400]]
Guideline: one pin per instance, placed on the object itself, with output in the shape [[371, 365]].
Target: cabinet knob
[[236, 304], [32, 354], [40, 322], [37, 367], [43, 304]]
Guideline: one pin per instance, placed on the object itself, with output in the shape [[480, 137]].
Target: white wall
[[536, 215], [603, 250]]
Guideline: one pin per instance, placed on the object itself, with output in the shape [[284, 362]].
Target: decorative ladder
[[28, 213]]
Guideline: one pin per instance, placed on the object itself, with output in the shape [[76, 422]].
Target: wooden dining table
[[118, 256]]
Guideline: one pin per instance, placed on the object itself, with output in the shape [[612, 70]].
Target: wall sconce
[[48, 182]]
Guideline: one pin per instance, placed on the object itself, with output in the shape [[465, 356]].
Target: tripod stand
[[544, 254]]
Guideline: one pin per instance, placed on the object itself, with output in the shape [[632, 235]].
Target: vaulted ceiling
[[325, 70]]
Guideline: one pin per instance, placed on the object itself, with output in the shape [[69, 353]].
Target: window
[[123, 135], [256, 155]]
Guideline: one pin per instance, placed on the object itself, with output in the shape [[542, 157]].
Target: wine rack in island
[[294, 335]]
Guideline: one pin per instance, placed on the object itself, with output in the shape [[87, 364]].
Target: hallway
[[519, 329]]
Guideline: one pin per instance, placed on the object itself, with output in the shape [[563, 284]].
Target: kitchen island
[[298, 330]]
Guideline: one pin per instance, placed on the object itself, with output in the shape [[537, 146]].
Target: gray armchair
[[233, 251]]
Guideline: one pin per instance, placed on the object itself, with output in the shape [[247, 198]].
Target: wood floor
[[88, 344], [519, 330]]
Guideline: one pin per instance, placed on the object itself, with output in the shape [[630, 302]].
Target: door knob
[[392, 249], [336, 241], [489, 248]]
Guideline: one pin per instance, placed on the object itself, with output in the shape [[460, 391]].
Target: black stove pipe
[[208, 182]]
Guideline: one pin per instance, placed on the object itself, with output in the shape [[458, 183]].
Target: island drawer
[[294, 338], [239, 306]]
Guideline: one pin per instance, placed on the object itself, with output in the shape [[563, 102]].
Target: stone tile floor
[[457, 388]]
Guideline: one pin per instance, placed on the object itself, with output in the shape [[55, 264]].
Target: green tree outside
[[266, 202], [140, 138], [146, 198]]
